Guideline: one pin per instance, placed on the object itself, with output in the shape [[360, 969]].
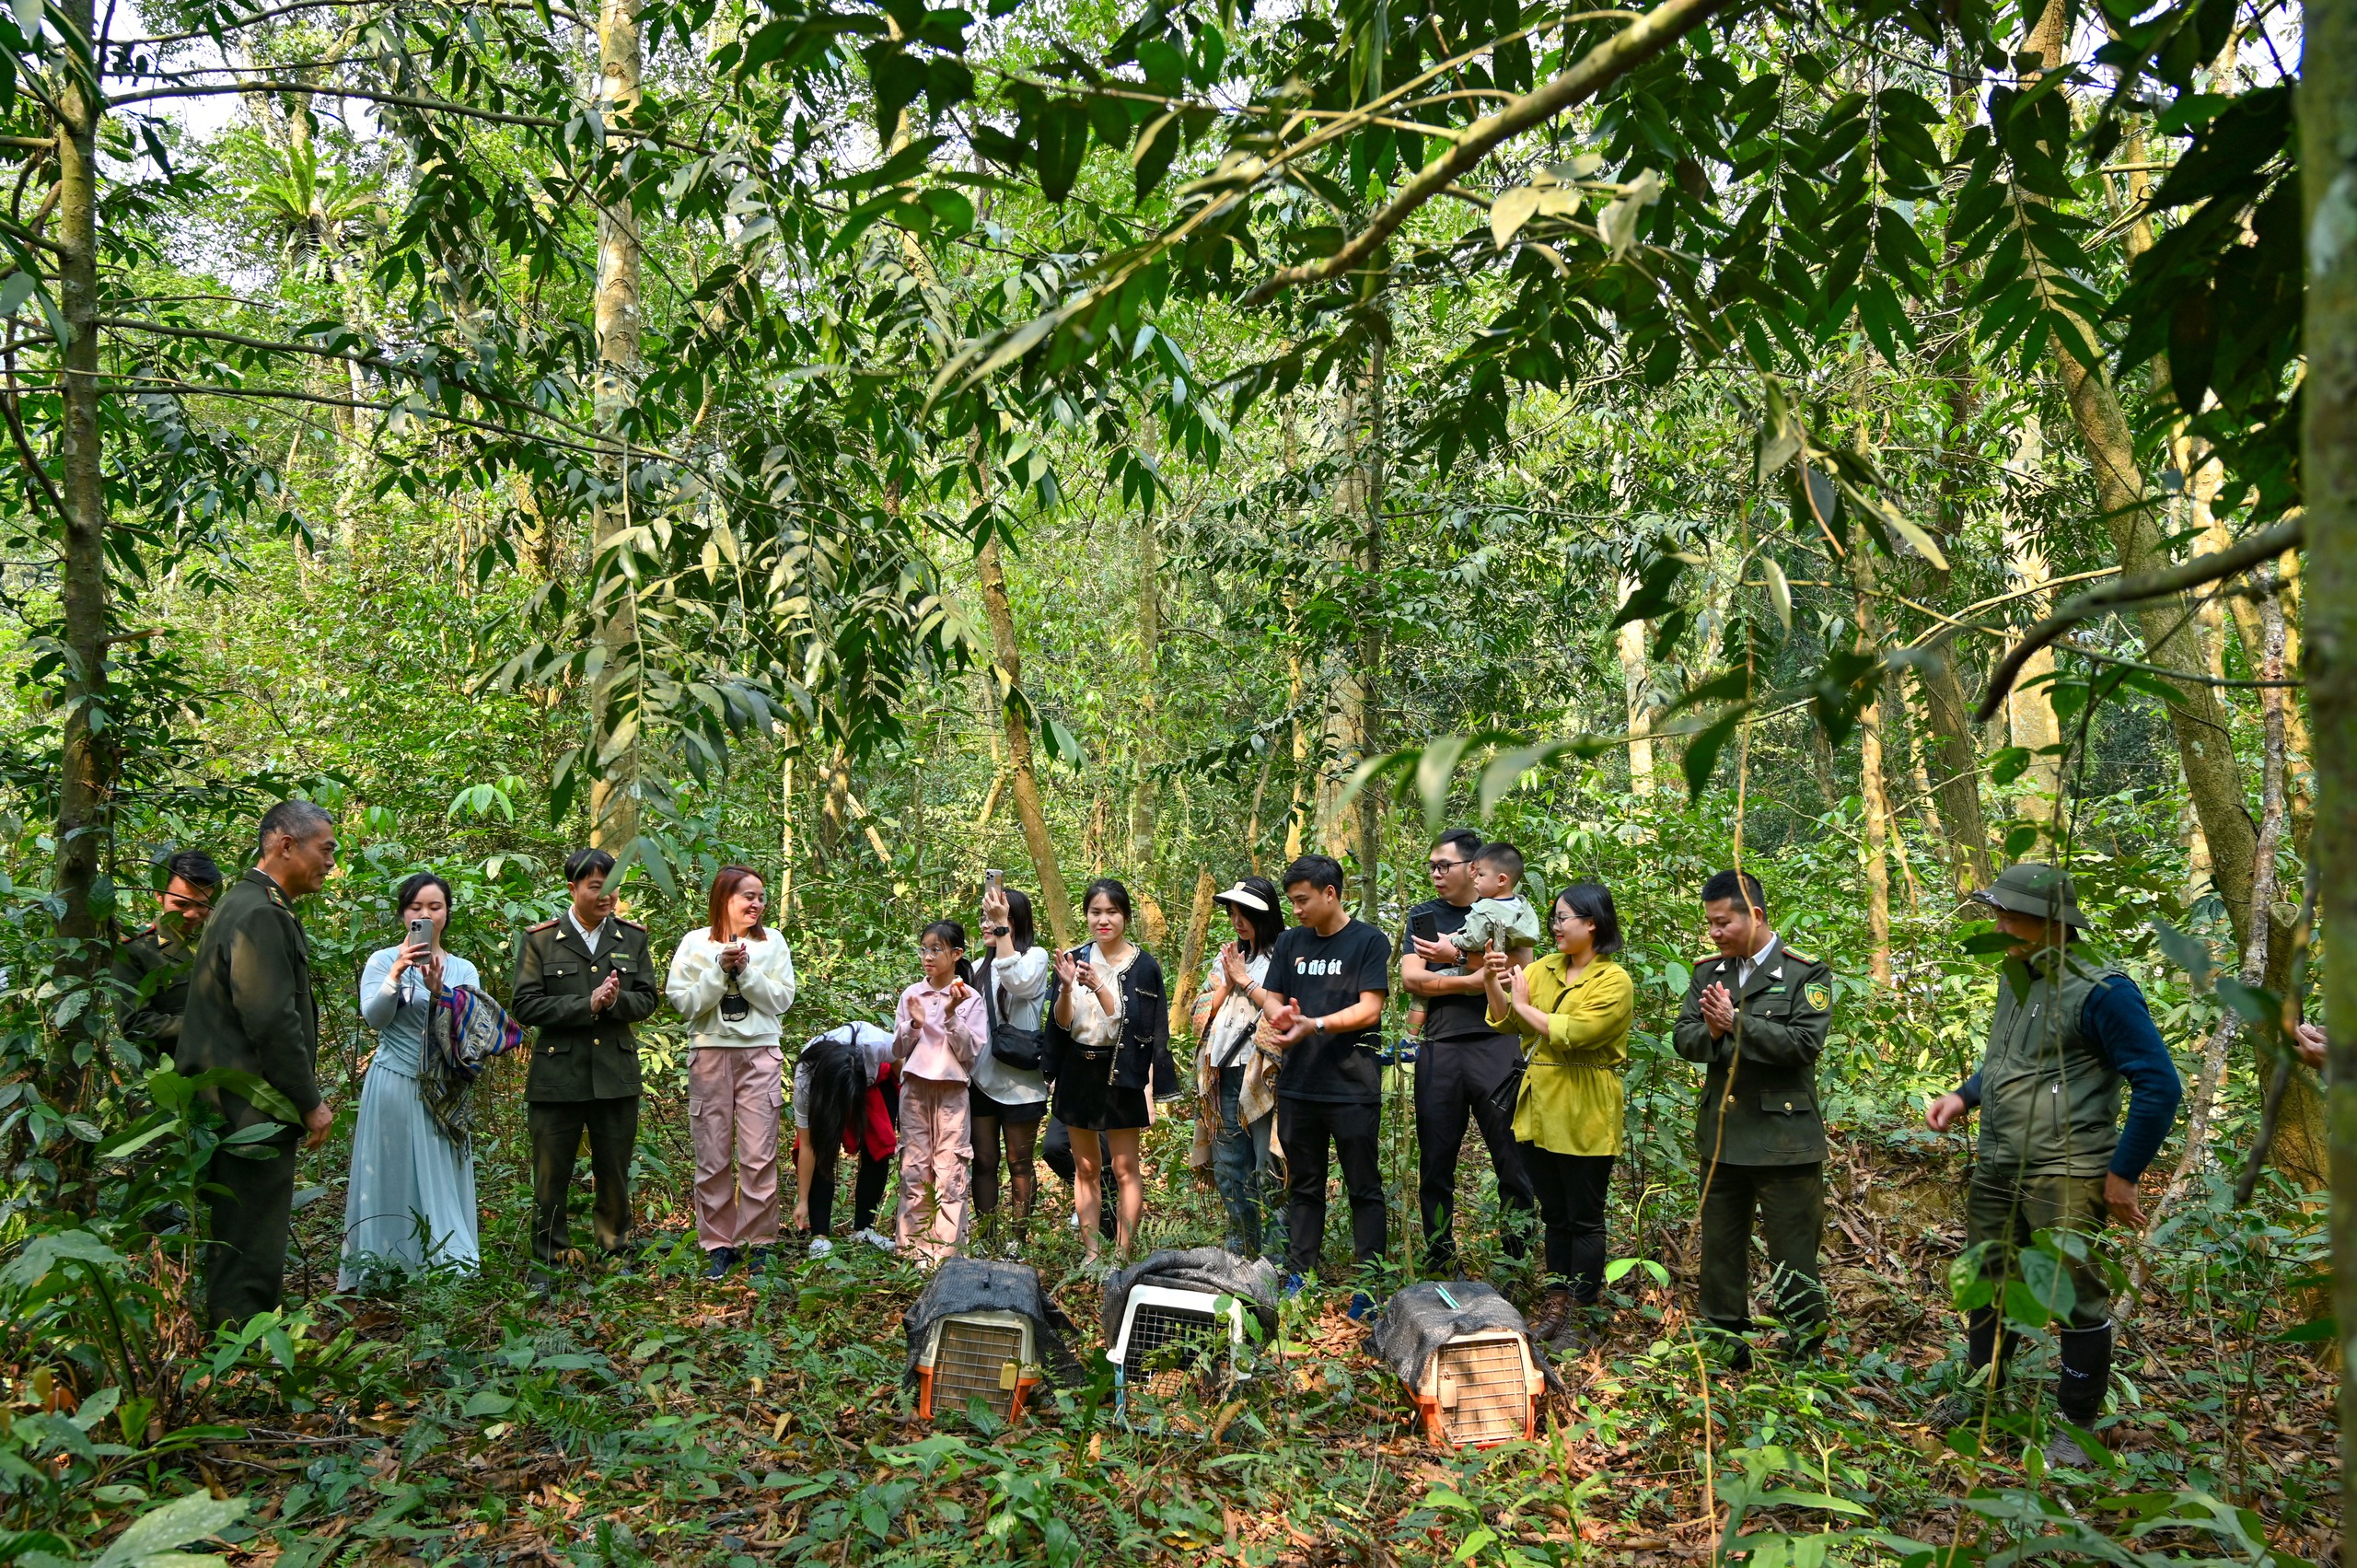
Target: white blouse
[[1024, 977], [697, 983], [1092, 1025]]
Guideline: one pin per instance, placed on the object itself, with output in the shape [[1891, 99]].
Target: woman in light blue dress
[[411, 1203]]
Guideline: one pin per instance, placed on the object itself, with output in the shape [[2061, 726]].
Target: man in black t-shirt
[[1323, 999], [1461, 1061]]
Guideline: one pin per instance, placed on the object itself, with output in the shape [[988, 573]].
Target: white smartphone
[[994, 880], [421, 934]]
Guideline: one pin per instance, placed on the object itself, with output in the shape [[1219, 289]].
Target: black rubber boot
[[2085, 1374], [1983, 1345]]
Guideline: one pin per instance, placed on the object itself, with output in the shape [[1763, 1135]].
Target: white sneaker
[[821, 1246], [1074, 1221], [878, 1239]]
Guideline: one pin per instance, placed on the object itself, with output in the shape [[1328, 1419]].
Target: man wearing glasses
[[1460, 1063]]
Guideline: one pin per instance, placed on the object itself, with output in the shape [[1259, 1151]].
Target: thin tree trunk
[[85, 782], [1636, 682], [1371, 650], [1947, 715], [2327, 111], [1027, 809], [2254, 956], [1873, 791], [785, 841], [1190, 957], [2029, 706], [615, 719], [1143, 802], [2205, 748]]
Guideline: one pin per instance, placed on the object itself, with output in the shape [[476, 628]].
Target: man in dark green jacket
[[582, 979], [152, 964], [2070, 1032], [1756, 1015], [250, 1010]]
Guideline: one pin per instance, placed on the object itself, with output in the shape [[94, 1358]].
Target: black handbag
[[1011, 1046], [1509, 1090]]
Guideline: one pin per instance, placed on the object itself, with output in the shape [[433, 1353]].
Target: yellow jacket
[[1570, 1099]]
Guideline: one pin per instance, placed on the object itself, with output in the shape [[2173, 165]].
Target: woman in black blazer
[[1107, 1053]]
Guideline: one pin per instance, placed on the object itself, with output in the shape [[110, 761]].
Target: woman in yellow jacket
[[1574, 1006]]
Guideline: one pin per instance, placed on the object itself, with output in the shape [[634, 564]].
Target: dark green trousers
[[1788, 1203], [557, 1127], [244, 1253], [2012, 1209]]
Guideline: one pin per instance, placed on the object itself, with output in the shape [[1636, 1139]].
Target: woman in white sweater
[[732, 981]]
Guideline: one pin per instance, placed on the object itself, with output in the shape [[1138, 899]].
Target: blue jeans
[[1240, 1165]]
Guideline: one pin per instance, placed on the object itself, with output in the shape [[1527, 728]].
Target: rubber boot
[[2086, 1374]]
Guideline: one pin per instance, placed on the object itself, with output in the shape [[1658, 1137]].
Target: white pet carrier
[[1168, 1335]]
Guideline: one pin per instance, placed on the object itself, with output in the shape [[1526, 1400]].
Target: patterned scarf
[[464, 1032]]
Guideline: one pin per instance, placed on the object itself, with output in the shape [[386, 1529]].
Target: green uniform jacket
[[151, 1013], [1770, 1095], [581, 1055], [249, 1003]]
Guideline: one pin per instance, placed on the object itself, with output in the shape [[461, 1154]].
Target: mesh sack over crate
[[1467, 1359], [985, 1330], [1163, 1321]]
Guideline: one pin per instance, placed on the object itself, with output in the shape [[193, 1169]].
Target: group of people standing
[[1003, 1055]]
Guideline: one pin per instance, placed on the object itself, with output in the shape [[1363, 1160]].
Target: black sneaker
[[722, 1259]]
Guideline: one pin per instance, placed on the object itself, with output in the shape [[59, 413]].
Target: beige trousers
[[735, 1101], [936, 1152]]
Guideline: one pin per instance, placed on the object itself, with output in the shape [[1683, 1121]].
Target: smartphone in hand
[[421, 934]]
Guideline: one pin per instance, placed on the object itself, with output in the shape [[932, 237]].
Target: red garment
[[872, 1123]]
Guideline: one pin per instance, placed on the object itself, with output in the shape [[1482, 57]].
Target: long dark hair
[[951, 935], [1113, 892], [1592, 902], [838, 1073], [1267, 925], [1021, 928]]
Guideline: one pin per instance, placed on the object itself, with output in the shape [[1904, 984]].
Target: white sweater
[[697, 983]]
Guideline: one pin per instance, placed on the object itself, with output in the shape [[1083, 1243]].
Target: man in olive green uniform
[[2070, 1032], [582, 979], [1755, 1016], [152, 964], [250, 1010]]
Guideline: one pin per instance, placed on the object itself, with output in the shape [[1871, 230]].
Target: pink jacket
[[931, 1040]]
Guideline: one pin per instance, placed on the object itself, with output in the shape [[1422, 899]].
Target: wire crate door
[[975, 1357], [1481, 1391]]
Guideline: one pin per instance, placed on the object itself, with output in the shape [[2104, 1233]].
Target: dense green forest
[[1873, 444]]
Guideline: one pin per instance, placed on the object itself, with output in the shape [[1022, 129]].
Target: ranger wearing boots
[[2070, 1032]]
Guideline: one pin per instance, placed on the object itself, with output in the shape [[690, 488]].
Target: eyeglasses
[[1437, 866], [927, 952]]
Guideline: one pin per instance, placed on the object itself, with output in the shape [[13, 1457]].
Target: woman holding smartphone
[[1109, 1049], [411, 1202], [732, 980], [1007, 1096]]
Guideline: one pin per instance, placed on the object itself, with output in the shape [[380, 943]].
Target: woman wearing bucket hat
[[2071, 1030], [1236, 1077]]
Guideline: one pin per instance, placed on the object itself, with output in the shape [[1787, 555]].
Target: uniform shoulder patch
[[544, 925], [1818, 995], [625, 920], [1804, 957], [1706, 958]]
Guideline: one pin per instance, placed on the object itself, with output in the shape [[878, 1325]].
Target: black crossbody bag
[[1019, 1048]]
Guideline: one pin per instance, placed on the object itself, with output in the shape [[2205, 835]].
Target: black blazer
[[1142, 1059]]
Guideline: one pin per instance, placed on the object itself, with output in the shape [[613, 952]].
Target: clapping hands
[[608, 988], [1231, 966], [1718, 1008]]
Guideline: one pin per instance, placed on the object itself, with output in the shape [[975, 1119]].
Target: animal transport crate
[[971, 1355], [1480, 1389], [1168, 1335]]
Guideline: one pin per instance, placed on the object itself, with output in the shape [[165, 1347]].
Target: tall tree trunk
[[1027, 809], [1369, 688], [616, 722], [1873, 790], [85, 782], [1143, 801], [2213, 778], [2029, 706], [1947, 715], [1636, 682], [1190, 957], [2327, 111]]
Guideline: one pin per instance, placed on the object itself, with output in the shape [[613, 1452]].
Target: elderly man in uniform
[[582, 979], [1755, 1016], [250, 1010], [152, 964], [2070, 1031]]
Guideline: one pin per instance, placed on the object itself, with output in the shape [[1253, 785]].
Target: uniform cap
[[2035, 888]]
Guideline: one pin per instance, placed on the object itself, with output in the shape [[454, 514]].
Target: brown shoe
[[1554, 1311]]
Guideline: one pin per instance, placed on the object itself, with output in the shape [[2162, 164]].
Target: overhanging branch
[[1598, 68], [2240, 556]]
